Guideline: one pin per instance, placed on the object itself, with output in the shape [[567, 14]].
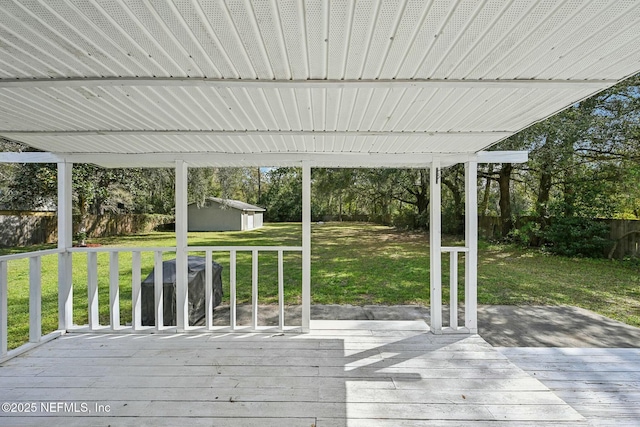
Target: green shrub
[[577, 237], [527, 235]]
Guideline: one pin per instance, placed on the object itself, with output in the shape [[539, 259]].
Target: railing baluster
[[92, 289], [281, 290], [35, 299], [208, 290], [453, 286], [254, 289], [136, 291], [453, 289], [114, 290], [158, 290], [4, 286], [232, 289]]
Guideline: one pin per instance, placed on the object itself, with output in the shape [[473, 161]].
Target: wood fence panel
[[629, 245]]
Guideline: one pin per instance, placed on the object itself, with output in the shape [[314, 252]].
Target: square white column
[[182, 289], [471, 242], [65, 241], [435, 246], [306, 245]]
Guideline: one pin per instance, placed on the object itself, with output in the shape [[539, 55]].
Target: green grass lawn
[[351, 264]]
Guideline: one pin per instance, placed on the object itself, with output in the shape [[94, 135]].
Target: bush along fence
[[572, 236], [33, 228]]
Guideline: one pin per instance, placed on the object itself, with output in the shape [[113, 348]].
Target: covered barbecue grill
[[197, 283]]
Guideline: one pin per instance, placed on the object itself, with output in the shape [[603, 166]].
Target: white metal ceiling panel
[[112, 108], [482, 70], [315, 39]]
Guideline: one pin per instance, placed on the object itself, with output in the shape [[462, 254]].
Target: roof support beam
[[320, 84], [328, 160]]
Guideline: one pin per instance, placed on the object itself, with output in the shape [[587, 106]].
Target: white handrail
[[244, 248], [24, 255], [122, 249]]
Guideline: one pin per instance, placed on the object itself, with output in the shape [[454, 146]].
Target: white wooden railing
[[136, 300], [35, 302], [35, 293]]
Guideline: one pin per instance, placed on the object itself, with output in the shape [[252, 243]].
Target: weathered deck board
[[395, 376], [603, 384]]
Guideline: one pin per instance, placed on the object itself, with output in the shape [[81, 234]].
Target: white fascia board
[[320, 84], [502, 156], [16, 134], [329, 160], [30, 157]]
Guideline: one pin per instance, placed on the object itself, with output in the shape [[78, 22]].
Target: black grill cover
[[196, 272]]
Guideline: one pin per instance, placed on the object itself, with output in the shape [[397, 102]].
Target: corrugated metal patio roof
[[375, 79]]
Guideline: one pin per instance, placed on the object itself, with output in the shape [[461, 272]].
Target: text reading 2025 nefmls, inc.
[[55, 407]]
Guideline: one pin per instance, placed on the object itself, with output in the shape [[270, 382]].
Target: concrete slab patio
[[499, 325]]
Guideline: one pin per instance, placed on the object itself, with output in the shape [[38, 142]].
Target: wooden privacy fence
[[32, 228], [626, 237]]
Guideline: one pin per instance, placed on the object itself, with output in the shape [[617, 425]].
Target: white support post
[[92, 289], [65, 241], [114, 291], [254, 289], [35, 299], [435, 245], [232, 290], [4, 286], [158, 290], [471, 242], [280, 290], [208, 290], [306, 245], [136, 291], [182, 289]]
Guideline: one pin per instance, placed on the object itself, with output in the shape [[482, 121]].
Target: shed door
[[250, 221]]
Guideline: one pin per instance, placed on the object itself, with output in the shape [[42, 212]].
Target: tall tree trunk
[[505, 198], [543, 195], [259, 186], [457, 204], [484, 207]]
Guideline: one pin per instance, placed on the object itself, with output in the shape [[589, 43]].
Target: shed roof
[[250, 82], [236, 204]]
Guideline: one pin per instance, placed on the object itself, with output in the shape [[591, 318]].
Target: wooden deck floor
[[344, 373], [602, 384]]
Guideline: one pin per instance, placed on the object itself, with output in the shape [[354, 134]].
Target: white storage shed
[[224, 215]]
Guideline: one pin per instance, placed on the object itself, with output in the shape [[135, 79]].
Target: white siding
[[258, 220], [215, 217]]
